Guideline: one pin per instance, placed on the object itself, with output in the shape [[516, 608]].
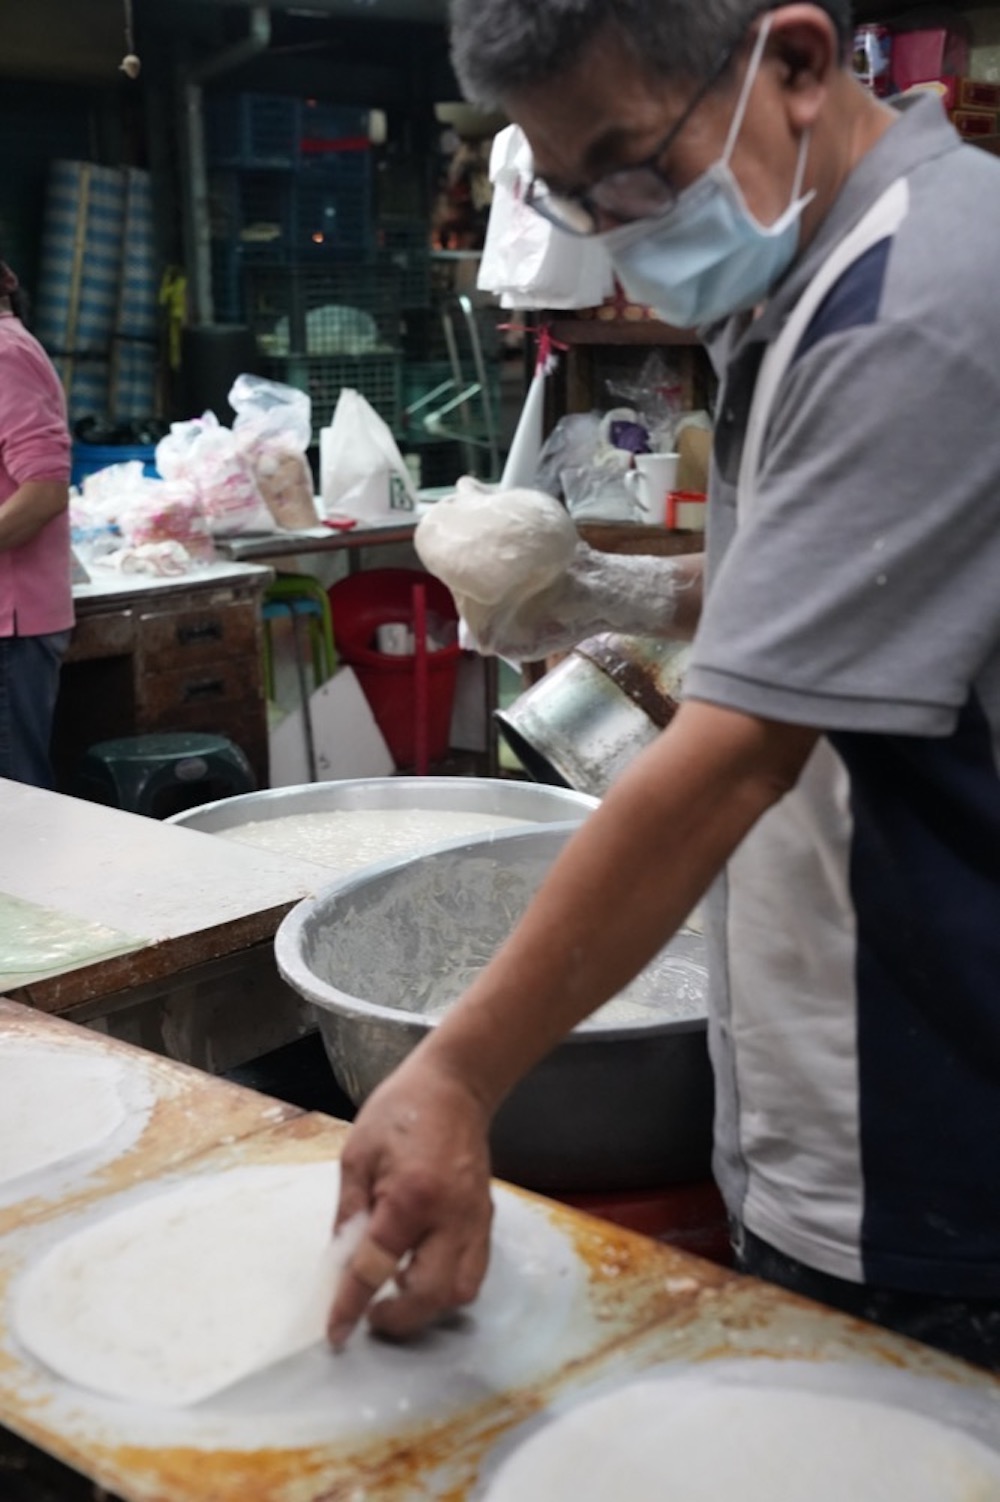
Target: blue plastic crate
[[266, 204], [251, 131], [333, 205], [90, 458], [227, 282], [323, 125], [253, 211], [404, 244]]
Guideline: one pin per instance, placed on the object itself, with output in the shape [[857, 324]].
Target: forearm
[[620, 890], [646, 596], [631, 595], [32, 506]]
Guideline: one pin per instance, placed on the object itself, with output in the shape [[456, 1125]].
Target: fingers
[[373, 1265], [441, 1274], [435, 1282], [417, 1167], [350, 1302]]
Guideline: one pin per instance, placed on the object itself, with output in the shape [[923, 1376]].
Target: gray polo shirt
[[856, 937]]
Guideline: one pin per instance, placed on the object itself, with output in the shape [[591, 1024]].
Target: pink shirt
[[36, 596]]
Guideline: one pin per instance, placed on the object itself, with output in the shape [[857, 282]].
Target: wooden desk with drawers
[[165, 655]]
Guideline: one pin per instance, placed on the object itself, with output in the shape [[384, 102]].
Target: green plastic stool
[[301, 597], [160, 775]]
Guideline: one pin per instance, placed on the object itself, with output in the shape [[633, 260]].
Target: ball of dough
[[496, 548]]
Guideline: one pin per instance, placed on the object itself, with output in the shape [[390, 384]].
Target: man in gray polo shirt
[[836, 756]]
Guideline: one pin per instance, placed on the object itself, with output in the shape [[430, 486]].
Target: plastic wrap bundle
[[97, 295], [81, 266], [133, 356], [138, 289], [86, 382], [132, 384]]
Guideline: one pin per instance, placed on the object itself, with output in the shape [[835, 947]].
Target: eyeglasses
[[630, 193]]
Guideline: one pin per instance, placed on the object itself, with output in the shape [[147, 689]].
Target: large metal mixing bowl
[[613, 1107]]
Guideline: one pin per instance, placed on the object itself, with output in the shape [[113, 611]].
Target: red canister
[[873, 57]]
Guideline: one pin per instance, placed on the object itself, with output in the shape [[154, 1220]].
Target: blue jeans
[[29, 683]]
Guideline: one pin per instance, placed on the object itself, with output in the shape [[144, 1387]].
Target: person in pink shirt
[[36, 600]]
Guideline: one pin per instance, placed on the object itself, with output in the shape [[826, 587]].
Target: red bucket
[[413, 714]]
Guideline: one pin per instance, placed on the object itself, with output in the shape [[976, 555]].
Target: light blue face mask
[[708, 257]]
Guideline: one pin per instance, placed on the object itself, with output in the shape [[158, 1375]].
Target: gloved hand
[[597, 592], [525, 584]]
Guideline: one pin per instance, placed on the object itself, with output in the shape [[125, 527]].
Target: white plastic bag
[[227, 486], [174, 452], [362, 473], [527, 262], [168, 511], [273, 429]]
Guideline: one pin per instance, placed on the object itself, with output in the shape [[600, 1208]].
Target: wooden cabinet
[[597, 351], [180, 658]]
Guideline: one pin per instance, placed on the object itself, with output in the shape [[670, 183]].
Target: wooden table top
[[184, 896]]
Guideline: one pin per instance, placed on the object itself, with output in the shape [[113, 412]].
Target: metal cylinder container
[[588, 718]]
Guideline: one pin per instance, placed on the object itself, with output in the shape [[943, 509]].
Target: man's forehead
[[595, 115]]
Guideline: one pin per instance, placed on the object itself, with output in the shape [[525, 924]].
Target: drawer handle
[[208, 631], [208, 688]]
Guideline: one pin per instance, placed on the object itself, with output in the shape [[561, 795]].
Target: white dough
[[55, 1104], [192, 1289], [347, 839], [679, 1440], [490, 547]]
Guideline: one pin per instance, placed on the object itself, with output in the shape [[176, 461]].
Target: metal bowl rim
[[279, 802], [288, 949]]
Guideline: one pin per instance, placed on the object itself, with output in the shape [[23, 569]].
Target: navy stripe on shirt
[[925, 877], [853, 301]]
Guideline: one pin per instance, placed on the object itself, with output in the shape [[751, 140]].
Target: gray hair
[[502, 46]]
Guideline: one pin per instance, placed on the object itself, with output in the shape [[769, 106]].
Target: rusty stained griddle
[[645, 1304], [190, 1112]]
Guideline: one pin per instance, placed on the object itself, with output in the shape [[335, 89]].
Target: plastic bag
[[585, 461], [527, 261], [169, 511], [125, 520], [226, 485], [363, 475], [657, 395], [273, 428], [206, 455], [174, 453], [572, 444]]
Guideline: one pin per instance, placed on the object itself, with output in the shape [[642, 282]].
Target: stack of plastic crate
[[404, 244], [294, 248], [326, 327]]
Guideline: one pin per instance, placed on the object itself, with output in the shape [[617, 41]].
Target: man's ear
[[804, 44]]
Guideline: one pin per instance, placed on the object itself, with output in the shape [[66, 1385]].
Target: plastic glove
[[598, 592], [526, 585]]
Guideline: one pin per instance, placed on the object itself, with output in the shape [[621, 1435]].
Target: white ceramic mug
[[652, 480]]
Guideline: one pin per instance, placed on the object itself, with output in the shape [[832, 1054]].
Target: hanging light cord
[[130, 64]]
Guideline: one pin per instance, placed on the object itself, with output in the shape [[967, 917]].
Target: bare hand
[[418, 1160]]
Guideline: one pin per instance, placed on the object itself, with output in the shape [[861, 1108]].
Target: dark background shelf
[[888, 10]]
